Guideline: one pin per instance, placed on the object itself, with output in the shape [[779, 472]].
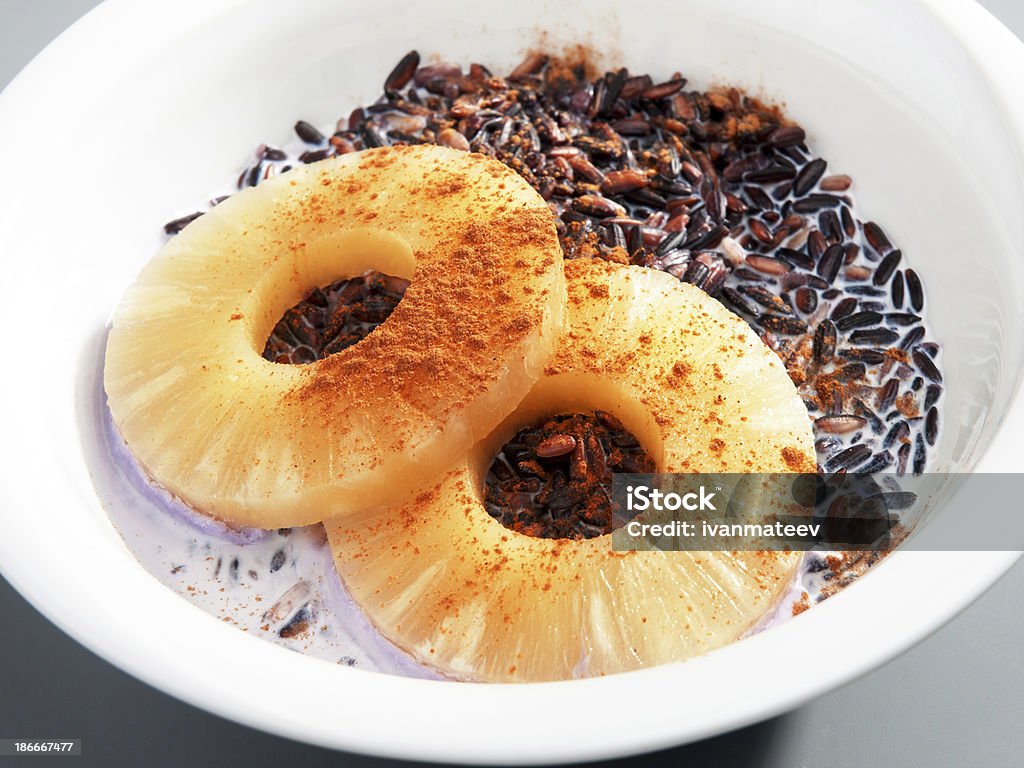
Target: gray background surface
[[957, 699]]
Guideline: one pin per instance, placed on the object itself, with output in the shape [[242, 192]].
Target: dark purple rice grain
[[175, 226], [663, 90], [920, 454], [931, 395], [902, 318], [849, 458], [403, 72], [849, 225], [866, 356], [806, 299], [913, 336], [877, 238], [874, 336], [915, 290], [277, 561], [788, 326], [760, 230], [828, 223], [771, 175], [931, 425], [796, 258], [749, 275], [886, 267], [831, 261], [816, 244], [735, 300], [926, 366], [858, 320], [696, 274], [813, 281], [766, 298], [902, 458], [314, 155], [865, 290], [308, 133], [878, 462], [899, 432], [809, 176], [759, 199], [887, 395], [815, 202], [824, 345], [372, 137], [843, 308], [787, 136], [852, 372]]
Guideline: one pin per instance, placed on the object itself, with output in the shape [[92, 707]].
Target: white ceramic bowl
[[142, 109]]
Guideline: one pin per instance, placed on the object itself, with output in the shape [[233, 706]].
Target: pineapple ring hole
[[607, 427], [331, 293]]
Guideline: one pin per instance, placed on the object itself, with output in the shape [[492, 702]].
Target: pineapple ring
[[449, 584], [262, 444]]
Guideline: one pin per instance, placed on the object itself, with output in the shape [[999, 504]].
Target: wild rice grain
[[308, 133], [915, 290], [913, 336], [896, 290], [806, 299], [920, 455], [858, 320], [824, 345], [931, 425], [788, 326], [175, 226], [808, 176], [926, 366], [887, 395], [831, 261], [877, 238], [899, 433], [886, 267], [881, 336], [403, 72], [849, 458]]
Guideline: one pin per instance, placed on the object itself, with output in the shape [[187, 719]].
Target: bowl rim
[[168, 648]]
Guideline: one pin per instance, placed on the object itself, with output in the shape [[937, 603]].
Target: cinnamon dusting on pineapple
[[431, 379]]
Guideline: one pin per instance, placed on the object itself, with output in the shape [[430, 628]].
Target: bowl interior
[[149, 130]]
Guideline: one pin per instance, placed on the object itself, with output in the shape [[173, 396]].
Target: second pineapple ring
[[449, 584], [272, 445]]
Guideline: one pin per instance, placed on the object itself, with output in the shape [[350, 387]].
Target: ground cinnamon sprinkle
[[797, 460], [441, 342]]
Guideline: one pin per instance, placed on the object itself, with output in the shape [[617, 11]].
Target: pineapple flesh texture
[[462, 594], [267, 445]]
